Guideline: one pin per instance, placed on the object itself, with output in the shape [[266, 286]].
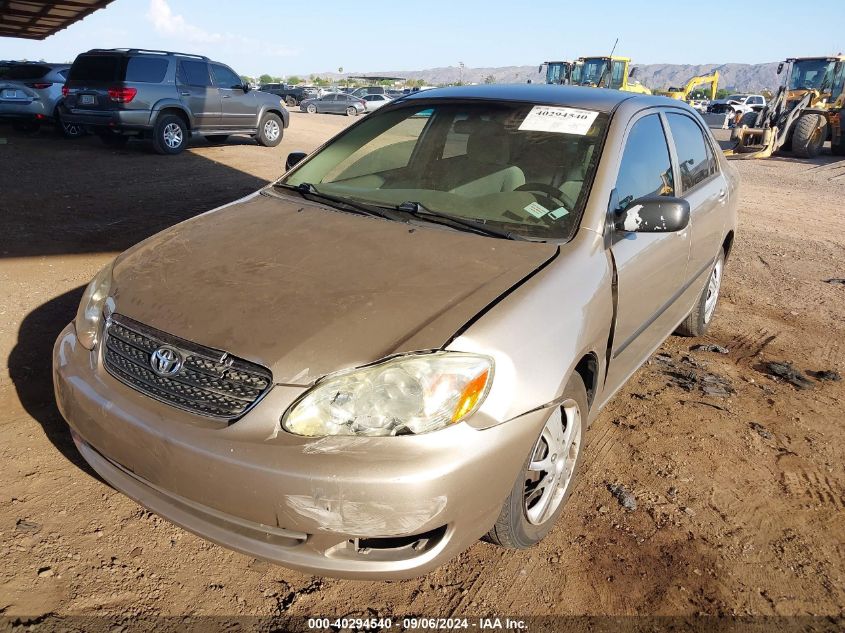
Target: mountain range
[[734, 77]]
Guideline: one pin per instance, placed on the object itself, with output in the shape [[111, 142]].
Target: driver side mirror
[[780, 68], [653, 214], [293, 159], [245, 88]]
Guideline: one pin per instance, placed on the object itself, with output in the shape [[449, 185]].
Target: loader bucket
[[751, 142]]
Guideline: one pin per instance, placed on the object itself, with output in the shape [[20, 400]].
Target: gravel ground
[[719, 493]]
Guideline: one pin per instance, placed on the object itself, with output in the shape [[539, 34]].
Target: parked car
[[167, 97], [30, 93], [336, 102], [368, 90], [399, 346], [737, 104], [374, 102], [292, 95]]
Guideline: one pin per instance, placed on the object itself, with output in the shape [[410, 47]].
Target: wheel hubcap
[[172, 135], [271, 130], [552, 463], [713, 291]]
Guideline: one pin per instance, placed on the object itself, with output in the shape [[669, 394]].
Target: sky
[[295, 37]]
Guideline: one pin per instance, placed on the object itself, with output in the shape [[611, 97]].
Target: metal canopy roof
[[38, 20], [377, 78]]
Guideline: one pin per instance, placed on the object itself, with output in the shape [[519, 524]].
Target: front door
[[651, 267], [198, 94], [239, 108]]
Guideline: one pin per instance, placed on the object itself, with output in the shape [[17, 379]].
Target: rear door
[[199, 95], [651, 267], [704, 187], [239, 109], [89, 81], [329, 103]]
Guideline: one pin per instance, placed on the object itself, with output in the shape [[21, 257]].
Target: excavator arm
[[694, 83]]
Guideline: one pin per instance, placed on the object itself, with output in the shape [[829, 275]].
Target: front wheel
[[809, 135], [546, 480], [312, 109], [698, 321], [270, 130], [351, 111], [170, 135]]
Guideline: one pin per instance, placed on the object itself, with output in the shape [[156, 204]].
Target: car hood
[[306, 290]]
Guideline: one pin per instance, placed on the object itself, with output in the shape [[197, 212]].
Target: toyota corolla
[[398, 347]]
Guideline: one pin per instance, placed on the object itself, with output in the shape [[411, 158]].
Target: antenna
[[609, 62], [613, 50]]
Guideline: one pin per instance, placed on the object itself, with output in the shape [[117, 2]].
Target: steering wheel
[[555, 195]]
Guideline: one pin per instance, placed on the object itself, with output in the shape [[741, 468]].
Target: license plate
[[10, 94], [87, 99]]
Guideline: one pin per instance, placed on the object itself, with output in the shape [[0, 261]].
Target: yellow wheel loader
[[557, 72], [806, 111], [606, 72]]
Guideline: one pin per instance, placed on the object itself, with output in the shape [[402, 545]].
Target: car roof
[[599, 99]]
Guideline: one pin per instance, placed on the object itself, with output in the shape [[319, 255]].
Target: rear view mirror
[[780, 68], [246, 88], [653, 214], [293, 159], [633, 72]]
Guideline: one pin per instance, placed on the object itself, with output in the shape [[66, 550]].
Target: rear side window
[[195, 73], [95, 68], [24, 71], [146, 69], [646, 169], [695, 157]]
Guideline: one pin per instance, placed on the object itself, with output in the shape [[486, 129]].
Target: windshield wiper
[[306, 189], [419, 211]]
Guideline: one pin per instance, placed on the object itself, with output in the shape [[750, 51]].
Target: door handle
[[723, 194], [185, 94], [227, 96]]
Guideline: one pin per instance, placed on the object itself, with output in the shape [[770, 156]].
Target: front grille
[[209, 382]]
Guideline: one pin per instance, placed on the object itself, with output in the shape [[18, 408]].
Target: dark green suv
[[166, 97]]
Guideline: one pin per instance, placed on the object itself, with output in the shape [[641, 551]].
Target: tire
[[270, 130], [351, 111], [311, 108], [748, 119], [698, 321], [522, 521], [216, 138], [116, 141], [839, 148], [170, 134], [809, 135], [290, 101]]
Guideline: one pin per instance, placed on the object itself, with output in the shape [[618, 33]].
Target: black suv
[[292, 95], [119, 93]]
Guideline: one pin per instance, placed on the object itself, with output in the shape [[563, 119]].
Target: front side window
[[225, 78], [646, 169], [694, 156], [517, 167], [195, 73]]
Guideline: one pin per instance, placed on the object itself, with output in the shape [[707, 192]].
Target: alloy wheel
[[173, 137], [271, 130], [713, 287]]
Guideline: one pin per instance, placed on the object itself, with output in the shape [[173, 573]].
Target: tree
[[293, 80], [767, 94], [265, 79], [247, 79], [721, 93], [489, 79]]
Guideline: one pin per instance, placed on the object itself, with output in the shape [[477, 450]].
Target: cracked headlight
[[89, 316], [411, 394]]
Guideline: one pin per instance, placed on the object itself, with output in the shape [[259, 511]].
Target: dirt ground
[[738, 476]]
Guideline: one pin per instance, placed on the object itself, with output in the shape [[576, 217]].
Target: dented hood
[[306, 290]]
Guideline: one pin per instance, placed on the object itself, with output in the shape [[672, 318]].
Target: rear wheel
[[290, 101], [114, 140], [170, 135], [809, 135], [351, 111], [698, 321], [546, 481], [270, 130]]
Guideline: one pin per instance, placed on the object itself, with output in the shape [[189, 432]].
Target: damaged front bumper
[[354, 507]]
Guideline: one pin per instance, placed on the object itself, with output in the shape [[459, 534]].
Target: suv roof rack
[[146, 50]]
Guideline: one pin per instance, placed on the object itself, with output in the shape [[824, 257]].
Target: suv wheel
[[270, 130], [290, 101], [170, 135]]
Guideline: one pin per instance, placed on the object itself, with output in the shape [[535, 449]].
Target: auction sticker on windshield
[[559, 120]]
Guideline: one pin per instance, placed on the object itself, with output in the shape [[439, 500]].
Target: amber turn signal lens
[[470, 396]]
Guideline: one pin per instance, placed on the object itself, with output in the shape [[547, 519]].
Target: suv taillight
[[65, 91], [122, 95]]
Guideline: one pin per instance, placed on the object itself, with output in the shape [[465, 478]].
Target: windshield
[[736, 98], [811, 74], [519, 168], [592, 71]]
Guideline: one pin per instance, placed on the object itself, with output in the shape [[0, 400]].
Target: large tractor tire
[[748, 119], [809, 135]]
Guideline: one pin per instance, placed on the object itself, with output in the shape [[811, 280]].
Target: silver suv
[[167, 97], [30, 94]]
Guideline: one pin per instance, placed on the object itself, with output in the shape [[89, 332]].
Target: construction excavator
[[701, 80], [806, 111]]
